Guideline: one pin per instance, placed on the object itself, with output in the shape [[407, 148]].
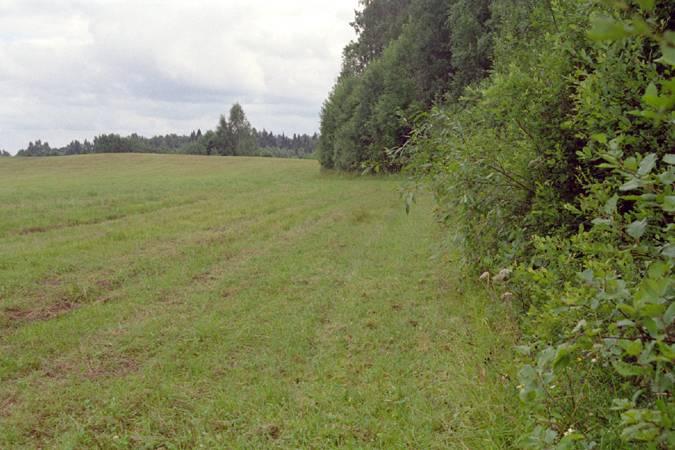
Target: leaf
[[668, 251], [527, 374], [669, 316], [653, 290], [669, 159], [587, 276], [627, 309], [631, 163], [632, 348], [628, 370], [668, 56], [658, 269], [563, 356], [601, 221], [652, 310], [652, 327], [645, 432], [669, 203], [668, 351], [646, 5], [607, 29], [610, 206], [637, 228], [647, 164], [667, 177], [630, 185], [651, 96]]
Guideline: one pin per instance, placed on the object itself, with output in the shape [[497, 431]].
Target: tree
[[376, 25], [399, 66], [241, 131]]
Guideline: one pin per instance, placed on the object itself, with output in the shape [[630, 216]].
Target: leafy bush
[[558, 166]]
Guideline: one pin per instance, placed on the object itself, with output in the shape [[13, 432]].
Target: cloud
[[72, 69]]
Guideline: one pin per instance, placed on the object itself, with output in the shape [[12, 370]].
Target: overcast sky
[[71, 69]]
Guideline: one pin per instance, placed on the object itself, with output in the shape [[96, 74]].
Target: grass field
[[181, 302]]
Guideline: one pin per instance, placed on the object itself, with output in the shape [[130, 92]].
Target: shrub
[[559, 167]]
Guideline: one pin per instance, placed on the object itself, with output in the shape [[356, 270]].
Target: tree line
[[234, 136], [544, 128], [408, 56]]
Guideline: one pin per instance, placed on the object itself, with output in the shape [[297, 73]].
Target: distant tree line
[[234, 136], [4, 153]]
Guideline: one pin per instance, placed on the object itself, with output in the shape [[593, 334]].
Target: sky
[[72, 69]]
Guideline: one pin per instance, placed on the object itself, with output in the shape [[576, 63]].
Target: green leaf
[[668, 351], [631, 163], [607, 29], [628, 370], [524, 349], [647, 164], [668, 251], [627, 309], [610, 206], [658, 269], [651, 96], [669, 203], [669, 316], [637, 229], [646, 5], [667, 177], [630, 185], [653, 290], [632, 348], [587, 276], [601, 221], [653, 327], [668, 55], [669, 159], [652, 310], [563, 356], [640, 432]]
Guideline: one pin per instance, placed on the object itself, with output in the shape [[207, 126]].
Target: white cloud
[[72, 69]]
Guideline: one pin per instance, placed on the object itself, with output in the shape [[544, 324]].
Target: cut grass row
[[171, 301]]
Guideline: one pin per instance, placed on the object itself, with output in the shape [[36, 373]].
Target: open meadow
[[155, 301]]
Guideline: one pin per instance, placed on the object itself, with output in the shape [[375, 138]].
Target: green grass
[[177, 302]]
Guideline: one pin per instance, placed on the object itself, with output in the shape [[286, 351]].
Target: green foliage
[[560, 167], [377, 24], [367, 118], [234, 136]]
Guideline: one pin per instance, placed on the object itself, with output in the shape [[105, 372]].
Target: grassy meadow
[[155, 301]]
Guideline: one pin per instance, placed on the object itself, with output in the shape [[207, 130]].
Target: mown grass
[[177, 302]]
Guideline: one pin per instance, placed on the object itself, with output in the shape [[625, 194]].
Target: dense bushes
[[545, 130], [558, 167]]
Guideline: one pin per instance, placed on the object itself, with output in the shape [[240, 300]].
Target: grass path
[[178, 302]]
